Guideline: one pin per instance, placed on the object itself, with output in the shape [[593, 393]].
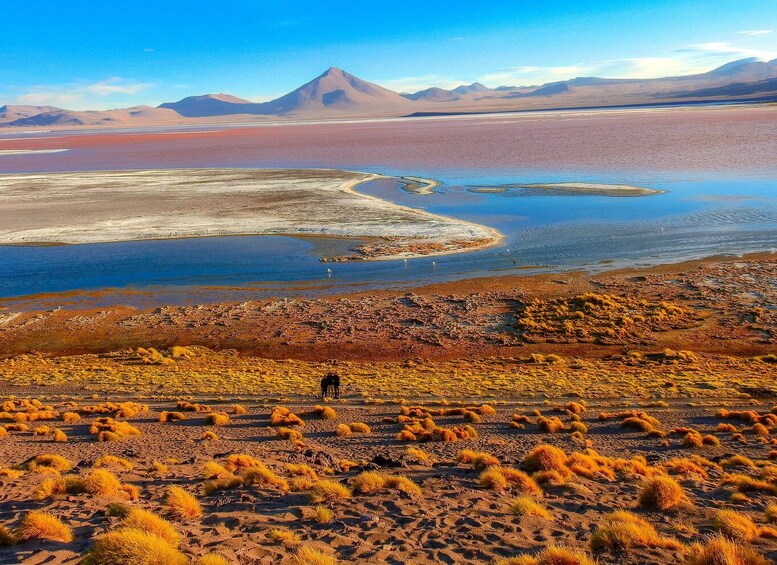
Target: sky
[[93, 54]]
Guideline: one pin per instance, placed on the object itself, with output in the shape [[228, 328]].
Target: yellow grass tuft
[[359, 428], [261, 475], [139, 519], [307, 555], [551, 556], [735, 525], [297, 470], [7, 538], [323, 515], [171, 416], [113, 461], [419, 456], [217, 419], [129, 546], [42, 525], [622, 531], [102, 483], [49, 461], [71, 417], [661, 493], [325, 412], [181, 504], [343, 430], [213, 559], [327, 490], [527, 506], [209, 436], [719, 550], [285, 536]]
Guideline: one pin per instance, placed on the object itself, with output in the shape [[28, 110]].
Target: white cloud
[[756, 31], [82, 95], [691, 59]]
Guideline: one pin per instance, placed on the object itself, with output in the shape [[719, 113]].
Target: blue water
[[545, 232]]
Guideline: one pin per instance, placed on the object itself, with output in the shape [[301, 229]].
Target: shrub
[[344, 430], [71, 417], [719, 550], [360, 428], [42, 525], [744, 483], [327, 490], [102, 483], [139, 519], [527, 506], [171, 416], [290, 434], [551, 425], [301, 470], [418, 456], [325, 412], [113, 461], [735, 525], [284, 536], [181, 504], [661, 493], [551, 556], [53, 487], [621, 531], [49, 461], [261, 475], [307, 555], [238, 461], [282, 416], [546, 458], [323, 515], [213, 559], [238, 409], [128, 546], [738, 461], [209, 436], [217, 419]]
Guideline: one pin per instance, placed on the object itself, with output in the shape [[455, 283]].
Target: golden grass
[[308, 555], [7, 538], [327, 490], [128, 546], [50, 461], [719, 550], [325, 412], [182, 505], [551, 556], [285, 536], [301, 469], [661, 493], [42, 525], [113, 461], [527, 506], [736, 525], [65, 485], [102, 483], [217, 419], [139, 519], [622, 531], [261, 475], [213, 559], [546, 458], [323, 515]]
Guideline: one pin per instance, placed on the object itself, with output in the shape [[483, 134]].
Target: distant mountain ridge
[[336, 94]]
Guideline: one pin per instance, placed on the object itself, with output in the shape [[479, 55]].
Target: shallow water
[[545, 231]]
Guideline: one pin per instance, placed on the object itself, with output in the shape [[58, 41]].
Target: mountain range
[[338, 94]]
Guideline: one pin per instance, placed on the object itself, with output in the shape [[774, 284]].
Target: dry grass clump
[[325, 412], [128, 546], [551, 424], [71, 417], [550, 556], [419, 456], [217, 419], [261, 475], [121, 410], [745, 483], [327, 490], [282, 416], [507, 478], [65, 485], [360, 428], [7, 538], [239, 409], [738, 526], [189, 407], [374, 481], [738, 461], [209, 436], [143, 520], [661, 493], [213, 559], [113, 461], [290, 434], [527, 506], [343, 430], [307, 555], [171, 416], [301, 470], [719, 550], [323, 515], [684, 466], [770, 513], [478, 459], [546, 457], [102, 483], [182, 505], [285, 536], [108, 429], [42, 525], [59, 436], [48, 462], [622, 531]]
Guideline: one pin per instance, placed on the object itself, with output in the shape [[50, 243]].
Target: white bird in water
[[329, 272], [434, 263]]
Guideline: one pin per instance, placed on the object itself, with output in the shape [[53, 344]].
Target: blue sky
[[88, 54]]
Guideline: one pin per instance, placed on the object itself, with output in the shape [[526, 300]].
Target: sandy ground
[[452, 520], [132, 205]]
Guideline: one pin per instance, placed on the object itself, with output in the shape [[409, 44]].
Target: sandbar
[[110, 206]]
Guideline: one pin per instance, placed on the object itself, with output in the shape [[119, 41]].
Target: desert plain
[[565, 418]]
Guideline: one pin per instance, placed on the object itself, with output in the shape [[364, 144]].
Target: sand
[[134, 205]]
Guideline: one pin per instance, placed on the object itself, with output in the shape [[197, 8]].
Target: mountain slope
[[209, 105]]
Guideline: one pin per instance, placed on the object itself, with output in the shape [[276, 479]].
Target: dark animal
[[330, 385]]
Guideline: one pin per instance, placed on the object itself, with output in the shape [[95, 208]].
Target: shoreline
[[405, 232]]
